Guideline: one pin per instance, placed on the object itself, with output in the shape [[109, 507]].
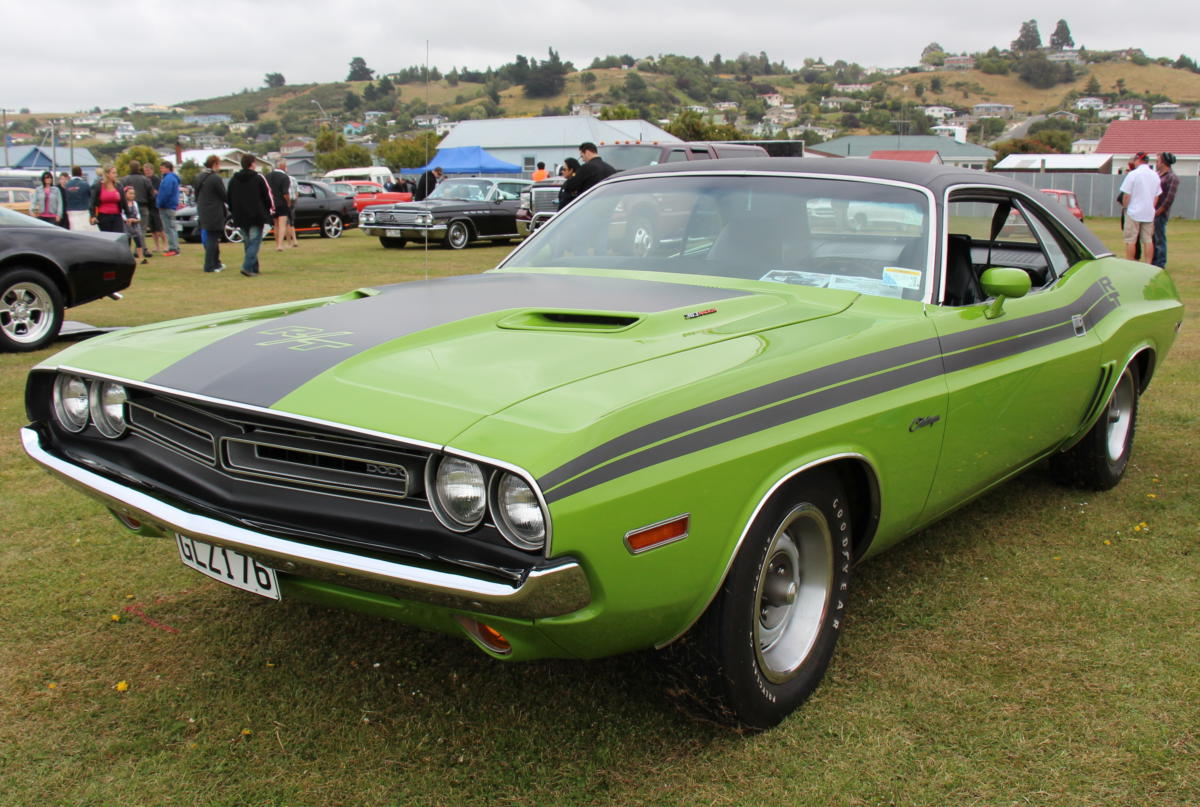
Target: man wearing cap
[[1141, 187], [1169, 182]]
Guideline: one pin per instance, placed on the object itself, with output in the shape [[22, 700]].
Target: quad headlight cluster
[[461, 492], [79, 401]]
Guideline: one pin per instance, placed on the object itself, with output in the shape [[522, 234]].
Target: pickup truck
[[540, 201]]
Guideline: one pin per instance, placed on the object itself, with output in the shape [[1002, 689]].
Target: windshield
[[833, 233], [623, 157], [11, 218], [475, 190], [342, 188]]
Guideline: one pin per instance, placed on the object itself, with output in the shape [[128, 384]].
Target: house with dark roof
[[1125, 138], [59, 158], [951, 152]]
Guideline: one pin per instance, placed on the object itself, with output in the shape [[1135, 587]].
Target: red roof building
[[908, 156], [1125, 138]]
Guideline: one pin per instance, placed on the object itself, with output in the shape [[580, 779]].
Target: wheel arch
[[42, 263], [860, 480], [1145, 359]]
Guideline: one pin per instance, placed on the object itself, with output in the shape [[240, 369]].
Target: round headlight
[[71, 402], [459, 493], [108, 408], [368, 217], [519, 512]]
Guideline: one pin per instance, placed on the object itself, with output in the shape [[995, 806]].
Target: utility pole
[[4, 116]]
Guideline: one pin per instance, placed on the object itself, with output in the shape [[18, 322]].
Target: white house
[[939, 113], [1089, 102]]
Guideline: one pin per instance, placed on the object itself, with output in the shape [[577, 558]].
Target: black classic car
[[45, 269], [319, 209], [459, 211]]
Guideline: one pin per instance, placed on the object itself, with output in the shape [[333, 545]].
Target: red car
[[1066, 199], [366, 193]]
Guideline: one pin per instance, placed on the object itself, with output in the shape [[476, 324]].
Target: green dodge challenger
[[682, 410]]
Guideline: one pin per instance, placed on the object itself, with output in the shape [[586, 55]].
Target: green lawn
[[1040, 647]]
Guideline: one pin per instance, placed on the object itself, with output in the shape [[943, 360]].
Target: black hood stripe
[[802, 395], [265, 362]]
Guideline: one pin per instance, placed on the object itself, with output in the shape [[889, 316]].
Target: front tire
[[769, 635], [458, 235], [331, 226], [392, 243], [31, 310], [1099, 460]]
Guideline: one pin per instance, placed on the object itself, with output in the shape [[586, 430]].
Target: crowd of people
[[1146, 197]]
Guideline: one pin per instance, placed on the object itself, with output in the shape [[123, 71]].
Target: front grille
[[394, 217], [544, 200], [258, 448]]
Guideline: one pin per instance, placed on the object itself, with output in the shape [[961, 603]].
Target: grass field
[[1040, 647]]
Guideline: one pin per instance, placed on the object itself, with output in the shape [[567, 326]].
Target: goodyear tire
[[1099, 460], [771, 631]]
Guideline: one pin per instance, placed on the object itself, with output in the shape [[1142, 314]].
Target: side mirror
[[1002, 282]]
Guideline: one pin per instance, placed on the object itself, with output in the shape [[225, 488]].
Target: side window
[[509, 190], [677, 155], [996, 231], [307, 190], [701, 154]]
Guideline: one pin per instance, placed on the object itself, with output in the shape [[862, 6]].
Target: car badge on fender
[[695, 314], [305, 338]]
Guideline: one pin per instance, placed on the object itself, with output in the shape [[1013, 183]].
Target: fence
[[1097, 193]]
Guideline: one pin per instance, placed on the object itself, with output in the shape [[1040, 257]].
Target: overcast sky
[[115, 54]]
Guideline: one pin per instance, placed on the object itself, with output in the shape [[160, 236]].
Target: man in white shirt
[[1140, 188]]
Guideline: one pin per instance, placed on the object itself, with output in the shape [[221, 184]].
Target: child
[[133, 222]]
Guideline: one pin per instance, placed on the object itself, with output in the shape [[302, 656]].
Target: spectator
[[569, 167], [210, 211], [592, 170], [280, 184], [427, 183], [1169, 182], [79, 198], [153, 223], [47, 202], [63, 178], [133, 225], [541, 173], [292, 195], [106, 202], [143, 190], [1141, 187], [167, 202], [251, 208], [399, 185]]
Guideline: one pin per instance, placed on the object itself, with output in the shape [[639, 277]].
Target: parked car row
[[458, 211]]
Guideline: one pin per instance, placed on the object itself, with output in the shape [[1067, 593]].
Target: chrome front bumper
[[551, 591], [436, 232]]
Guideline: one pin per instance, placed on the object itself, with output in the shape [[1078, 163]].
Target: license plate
[[229, 566], [395, 233]]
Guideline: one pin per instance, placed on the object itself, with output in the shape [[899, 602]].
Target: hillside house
[[1123, 139]]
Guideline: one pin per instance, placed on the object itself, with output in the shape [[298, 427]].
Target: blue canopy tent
[[469, 160]]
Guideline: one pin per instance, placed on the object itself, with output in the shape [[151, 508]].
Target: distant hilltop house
[[938, 113], [1064, 56], [959, 63], [772, 98], [207, 120], [1089, 102], [992, 110], [428, 121], [849, 88], [588, 109], [45, 158]]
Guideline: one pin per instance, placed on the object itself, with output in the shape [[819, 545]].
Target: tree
[[545, 79], [933, 54], [328, 140], [351, 102], [359, 70], [408, 152], [588, 79], [689, 125], [188, 171], [618, 112], [1039, 71], [143, 154], [273, 80], [1029, 39], [1093, 86], [935, 84], [350, 156], [1061, 38]]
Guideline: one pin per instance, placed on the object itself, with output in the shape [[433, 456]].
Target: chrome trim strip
[[758, 508], [548, 592]]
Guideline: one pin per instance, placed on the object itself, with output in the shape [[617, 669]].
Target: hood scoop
[[569, 321]]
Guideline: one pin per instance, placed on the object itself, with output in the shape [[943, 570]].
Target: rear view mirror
[[1001, 282]]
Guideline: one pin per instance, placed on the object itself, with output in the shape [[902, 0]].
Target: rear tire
[[767, 638], [31, 310], [392, 243], [331, 226], [1099, 460]]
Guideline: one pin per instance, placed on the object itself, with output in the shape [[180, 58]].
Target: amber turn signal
[[486, 635], [656, 535]]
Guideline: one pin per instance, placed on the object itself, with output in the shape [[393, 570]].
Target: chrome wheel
[[1119, 417], [793, 592], [641, 238], [457, 235], [331, 226], [31, 310], [233, 233]]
